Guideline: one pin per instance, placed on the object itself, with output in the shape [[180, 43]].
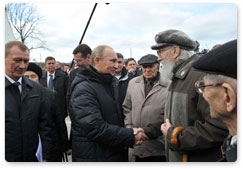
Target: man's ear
[[97, 60], [176, 52], [231, 100]]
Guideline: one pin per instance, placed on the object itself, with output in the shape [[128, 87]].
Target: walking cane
[[174, 140]]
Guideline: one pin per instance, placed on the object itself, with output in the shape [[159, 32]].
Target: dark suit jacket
[[60, 83], [23, 122], [59, 129]]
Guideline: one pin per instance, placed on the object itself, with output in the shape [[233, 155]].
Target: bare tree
[[24, 18]]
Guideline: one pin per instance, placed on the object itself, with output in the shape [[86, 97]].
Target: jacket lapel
[[26, 87]]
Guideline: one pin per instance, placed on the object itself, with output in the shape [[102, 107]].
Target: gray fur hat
[[174, 37]]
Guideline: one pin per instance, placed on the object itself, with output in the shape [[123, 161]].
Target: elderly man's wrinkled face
[[32, 75], [165, 56], [150, 71], [214, 94]]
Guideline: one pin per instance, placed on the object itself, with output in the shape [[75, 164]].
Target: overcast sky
[[130, 27]]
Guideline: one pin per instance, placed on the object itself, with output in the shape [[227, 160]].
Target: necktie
[[15, 88], [50, 86], [148, 87]]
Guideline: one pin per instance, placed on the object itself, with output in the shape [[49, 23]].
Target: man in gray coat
[[191, 134], [144, 104]]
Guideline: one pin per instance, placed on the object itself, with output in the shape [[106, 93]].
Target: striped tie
[[50, 86]]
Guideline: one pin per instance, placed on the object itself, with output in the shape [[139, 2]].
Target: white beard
[[166, 73]]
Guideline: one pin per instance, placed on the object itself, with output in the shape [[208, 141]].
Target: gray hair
[[99, 51], [185, 54], [11, 44], [222, 79]]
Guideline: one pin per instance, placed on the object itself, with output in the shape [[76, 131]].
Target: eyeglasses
[[162, 49], [200, 86], [77, 60]]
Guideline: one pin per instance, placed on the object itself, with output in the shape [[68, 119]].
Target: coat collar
[[27, 85], [183, 67], [25, 82], [140, 79]]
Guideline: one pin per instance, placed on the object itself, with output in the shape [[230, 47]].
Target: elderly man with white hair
[[191, 134]]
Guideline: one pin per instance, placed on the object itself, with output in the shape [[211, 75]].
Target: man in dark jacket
[[25, 114], [97, 121], [59, 83], [219, 88], [123, 77], [191, 134], [59, 129], [82, 60]]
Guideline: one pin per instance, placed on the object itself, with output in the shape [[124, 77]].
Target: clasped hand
[[140, 136]]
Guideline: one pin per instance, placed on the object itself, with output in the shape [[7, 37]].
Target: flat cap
[[221, 60], [148, 59], [35, 68], [174, 37]]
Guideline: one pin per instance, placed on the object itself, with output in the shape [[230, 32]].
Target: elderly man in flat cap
[[143, 105], [191, 134], [219, 88]]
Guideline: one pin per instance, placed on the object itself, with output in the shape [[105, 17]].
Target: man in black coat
[[82, 60], [97, 121], [219, 88], [123, 77], [25, 109], [59, 129], [59, 83]]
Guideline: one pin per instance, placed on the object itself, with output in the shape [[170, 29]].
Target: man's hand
[[140, 136], [165, 126]]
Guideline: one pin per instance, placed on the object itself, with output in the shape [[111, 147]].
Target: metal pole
[[85, 30], [88, 23]]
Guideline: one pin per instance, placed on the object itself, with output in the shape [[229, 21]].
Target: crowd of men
[[122, 110]]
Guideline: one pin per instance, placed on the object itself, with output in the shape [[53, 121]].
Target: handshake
[[140, 136]]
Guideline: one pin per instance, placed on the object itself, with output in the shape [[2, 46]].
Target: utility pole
[[131, 52]]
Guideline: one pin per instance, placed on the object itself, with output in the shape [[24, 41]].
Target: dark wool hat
[[35, 68], [221, 60], [148, 59], [174, 37]]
